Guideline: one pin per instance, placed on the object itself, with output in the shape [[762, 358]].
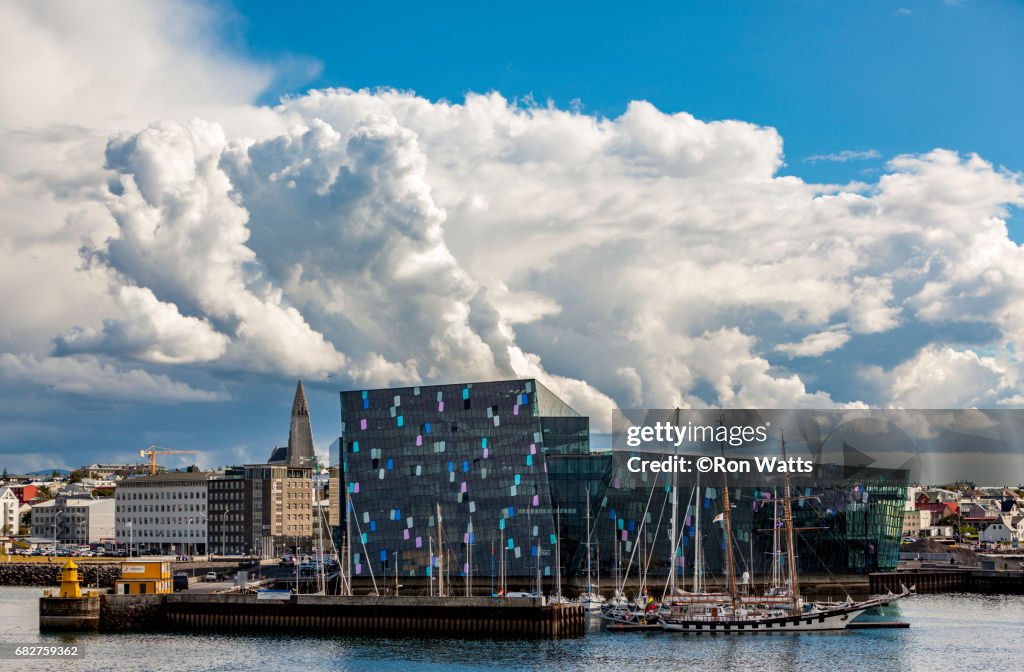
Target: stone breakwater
[[103, 574], [47, 574]]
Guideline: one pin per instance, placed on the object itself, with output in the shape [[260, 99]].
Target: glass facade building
[[474, 454], [849, 520], [507, 465]]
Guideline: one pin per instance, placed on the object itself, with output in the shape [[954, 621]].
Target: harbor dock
[[143, 601], [390, 615]]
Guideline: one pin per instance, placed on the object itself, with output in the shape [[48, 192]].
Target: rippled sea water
[[947, 632]]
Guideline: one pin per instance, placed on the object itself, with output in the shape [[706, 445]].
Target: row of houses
[[62, 503], [996, 514]]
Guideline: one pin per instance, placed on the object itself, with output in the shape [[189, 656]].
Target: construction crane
[[153, 451]]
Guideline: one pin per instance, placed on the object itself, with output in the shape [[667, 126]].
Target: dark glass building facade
[[849, 519], [508, 466], [475, 454]]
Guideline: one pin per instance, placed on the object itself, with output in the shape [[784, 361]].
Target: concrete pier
[[58, 614], [951, 581], [326, 615]]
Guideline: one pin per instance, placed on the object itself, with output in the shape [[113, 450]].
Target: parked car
[[211, 576], [180, 582]]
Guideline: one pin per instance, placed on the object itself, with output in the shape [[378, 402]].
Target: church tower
[[300, 435]]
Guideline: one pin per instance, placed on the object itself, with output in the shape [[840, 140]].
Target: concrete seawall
[[132, 613], [951, 581], [63, 614], [321, 614]]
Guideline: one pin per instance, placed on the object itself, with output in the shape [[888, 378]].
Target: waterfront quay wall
[[63, 614], [951, 581], [328, 614], [131, 613]]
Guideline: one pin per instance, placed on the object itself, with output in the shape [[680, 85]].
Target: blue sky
[[893, 77], [622, 251]]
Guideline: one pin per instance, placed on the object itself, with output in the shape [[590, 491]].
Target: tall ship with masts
[[780, 609]]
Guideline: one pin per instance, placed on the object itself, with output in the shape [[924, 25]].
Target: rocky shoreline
[[46, 574], [91, 574]]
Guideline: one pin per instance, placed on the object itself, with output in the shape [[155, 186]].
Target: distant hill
[[47, 472]]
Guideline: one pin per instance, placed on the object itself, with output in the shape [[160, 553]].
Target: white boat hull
[[811, 622]]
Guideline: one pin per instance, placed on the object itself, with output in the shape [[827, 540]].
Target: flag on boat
[[719, 518]]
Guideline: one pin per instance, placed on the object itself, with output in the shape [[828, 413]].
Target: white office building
[[166, 513], [74, 520]]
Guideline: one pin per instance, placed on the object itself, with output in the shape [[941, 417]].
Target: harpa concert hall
[[508, 468]]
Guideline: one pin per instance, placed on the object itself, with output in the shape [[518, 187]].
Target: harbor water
[[953, 631]]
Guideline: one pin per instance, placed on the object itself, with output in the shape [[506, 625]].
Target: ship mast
[[348, 538], [787, 513], [727, 519], [590, 574], [440, 555], [674, 533], [469, 558], [558, 553], [698, 562], [776, 578]]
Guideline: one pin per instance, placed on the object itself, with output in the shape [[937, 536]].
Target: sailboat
[[557, 597], [591, 599], [621, 614], [781, 609]]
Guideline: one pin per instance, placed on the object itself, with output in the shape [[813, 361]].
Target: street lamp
[[56, 516]]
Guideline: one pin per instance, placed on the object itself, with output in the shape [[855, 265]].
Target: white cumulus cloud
[[150, 330], [943, 377], [181, 235], [378, 238], [815, 345], [90, 376]]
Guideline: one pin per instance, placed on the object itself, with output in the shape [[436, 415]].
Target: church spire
[[300, 435], [299, 406]]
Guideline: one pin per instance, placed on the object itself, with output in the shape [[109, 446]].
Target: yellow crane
[[153, 451]]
